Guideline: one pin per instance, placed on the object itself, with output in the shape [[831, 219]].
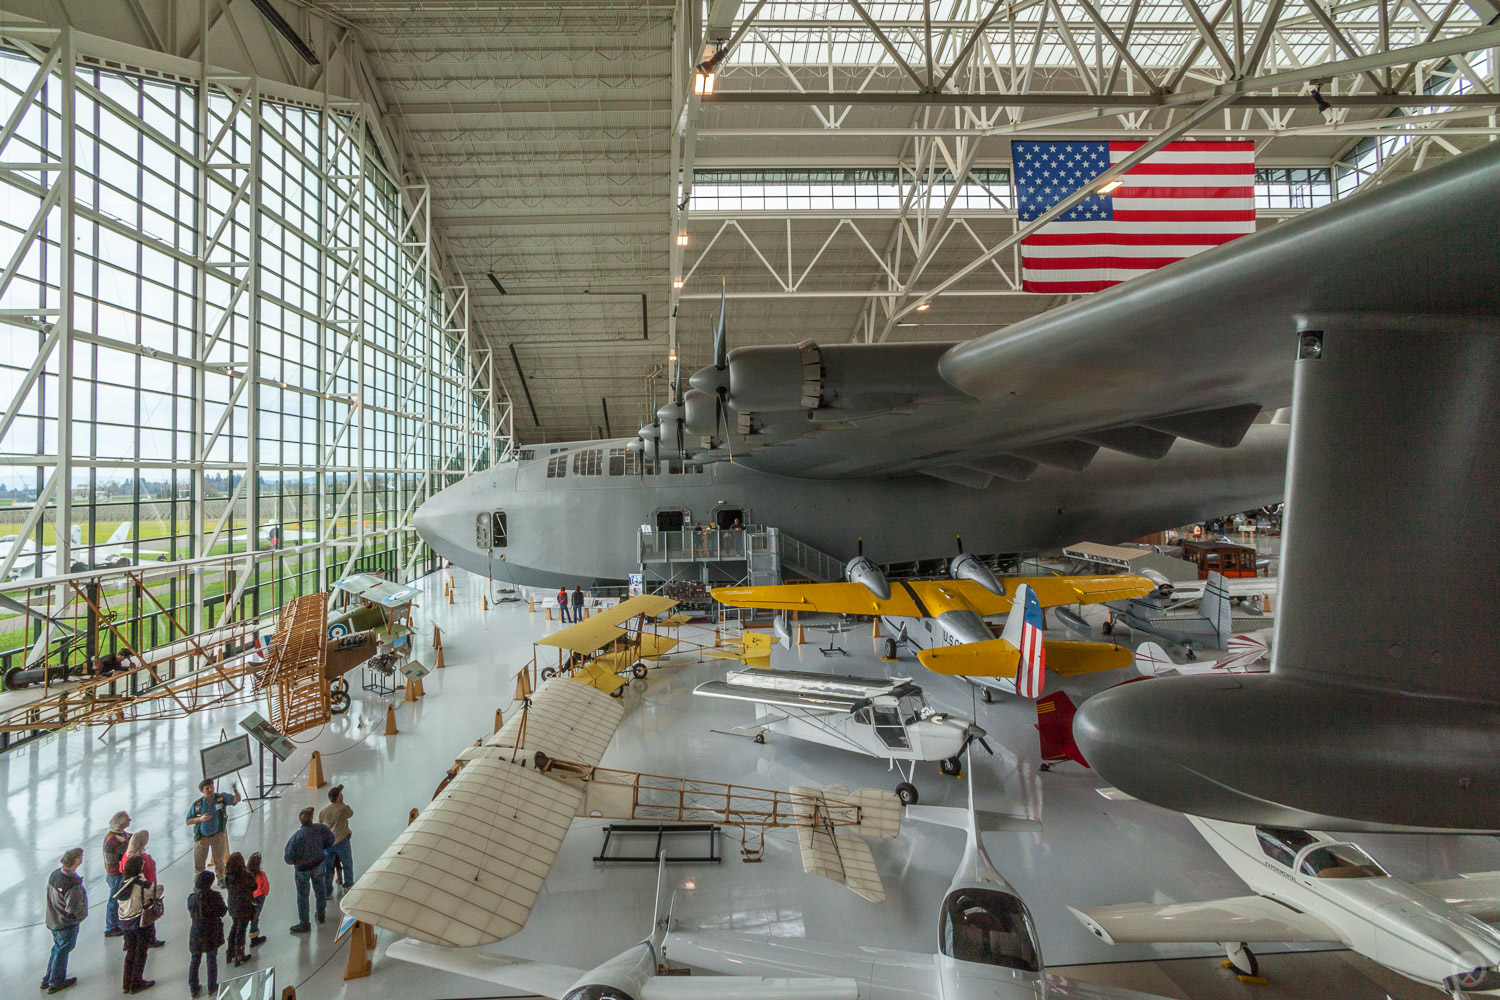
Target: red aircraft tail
[[1054, 724]]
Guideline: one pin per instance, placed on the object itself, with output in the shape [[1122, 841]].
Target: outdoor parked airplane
[[885, 718], [108, 554], [630, 974], [958, 607], [987, 942], [1314, 887]]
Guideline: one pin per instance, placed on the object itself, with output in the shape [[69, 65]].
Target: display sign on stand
[[258, 985], [637, 584], [225, 758], [272, 742], [414, 670]]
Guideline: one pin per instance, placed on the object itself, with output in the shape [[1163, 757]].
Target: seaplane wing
[[1477, 895], [931, 598], [1242, 918], [369, 587], [468, 869]]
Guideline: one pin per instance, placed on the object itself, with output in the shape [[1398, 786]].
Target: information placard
[[415, 670], [225, 758], [268, 736]]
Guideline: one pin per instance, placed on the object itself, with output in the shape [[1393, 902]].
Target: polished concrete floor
[[61, 792]]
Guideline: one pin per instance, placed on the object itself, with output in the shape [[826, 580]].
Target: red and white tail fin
[[1023, 630]]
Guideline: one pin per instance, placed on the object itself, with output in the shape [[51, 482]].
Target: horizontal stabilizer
[[829, 852], [1070, 658], [958, 819], [996, 658]]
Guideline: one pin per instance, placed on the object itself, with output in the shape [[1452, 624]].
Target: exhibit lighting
[[1109, 186], [703, 83], [923, 306], [682, 239], [676, 282]]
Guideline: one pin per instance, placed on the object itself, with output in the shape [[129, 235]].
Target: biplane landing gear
[[907, 793], [951, 766], [890, 649], [1242, 961], [618, 692], [760, 738], [338, 696], [548, 673], [987, 696], [638, 671]]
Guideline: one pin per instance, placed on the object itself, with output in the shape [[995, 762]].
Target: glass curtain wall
[[262, 355]]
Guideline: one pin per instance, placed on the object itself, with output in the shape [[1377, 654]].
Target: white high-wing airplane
[[25, 565], [1243, 657], [876, 717], [1313, 887], [630, 975], [987, 942]]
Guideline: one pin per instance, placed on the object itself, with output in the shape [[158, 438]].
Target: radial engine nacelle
[[966, 566], [862, 571]]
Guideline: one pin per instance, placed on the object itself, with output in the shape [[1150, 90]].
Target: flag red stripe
[[1065, 287], [1130, 191], [1045, 239], [1235, 169], [1179, 215], [1189, 145], [1090, 263]]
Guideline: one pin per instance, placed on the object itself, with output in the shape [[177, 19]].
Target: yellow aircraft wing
[[930, 598], [753, 650], [1071, 658]]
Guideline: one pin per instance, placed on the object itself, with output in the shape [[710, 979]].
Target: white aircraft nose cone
[[427, 520]]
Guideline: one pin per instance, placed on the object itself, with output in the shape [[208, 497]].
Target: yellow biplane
[[605, 652], [753, 649], [959, 607]]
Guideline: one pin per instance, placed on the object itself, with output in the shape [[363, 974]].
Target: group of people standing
[[576, 601], [319, 851]]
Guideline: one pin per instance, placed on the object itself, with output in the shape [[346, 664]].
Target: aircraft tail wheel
[[907, 793], [987, 695], [548, 673], [618, 692], [638, 671], [760, 738], [890, 649], [338, 702], [1242, 961], [952, 766]]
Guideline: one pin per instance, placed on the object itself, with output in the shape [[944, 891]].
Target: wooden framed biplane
[[611, 648]]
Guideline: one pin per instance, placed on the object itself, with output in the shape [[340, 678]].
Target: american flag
[[1182, 199]]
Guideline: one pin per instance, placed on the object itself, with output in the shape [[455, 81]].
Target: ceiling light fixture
[[676, 282], [703, 83], [682, 239], [923, 306]]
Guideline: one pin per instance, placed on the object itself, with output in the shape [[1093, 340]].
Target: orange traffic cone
[[484, 602], [801, 635], [499, 719], [440, 664], [549, 612], [437, 637], [390, 720], [315, 771], [531, 604], [450, 597], [875, 629]]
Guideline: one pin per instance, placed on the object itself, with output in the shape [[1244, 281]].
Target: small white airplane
[[1245, 656], [885, 718], [986, 938], [630, 974], [25, 565], [1310, 886], [109, 554]]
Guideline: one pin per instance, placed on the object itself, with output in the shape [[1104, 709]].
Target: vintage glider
[[987, 941], [885, 718], [1311, 886], [630, 974], [604, 651], [958, 607], [469, 868]]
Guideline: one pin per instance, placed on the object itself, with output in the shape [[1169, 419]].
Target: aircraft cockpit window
[[482, 532], [499, 530], [557, 467], [988, 927], [1281, 844], [589, 463], [862, 716], [913, 708], [624, 462], [1340, 861], [889, 728]]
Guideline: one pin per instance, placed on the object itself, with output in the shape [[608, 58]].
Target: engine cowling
[[966, 566], [862, 571]]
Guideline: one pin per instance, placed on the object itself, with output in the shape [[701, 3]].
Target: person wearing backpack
[[305, 852], [562, 602], [206, 910], [139, 907], [115, 843], [67, 906]]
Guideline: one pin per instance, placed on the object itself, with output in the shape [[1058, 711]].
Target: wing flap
[[1478, 895], [513, 973], [1240, 918]]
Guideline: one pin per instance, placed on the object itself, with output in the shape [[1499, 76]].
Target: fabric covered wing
[[829, 852], [512, 973], [468, 869], [900, 973], [567, 720], [1477, 895], [1241, 918]]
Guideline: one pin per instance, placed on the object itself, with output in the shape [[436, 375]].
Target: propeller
[[974, 734], [681, 413], [721, 365]]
